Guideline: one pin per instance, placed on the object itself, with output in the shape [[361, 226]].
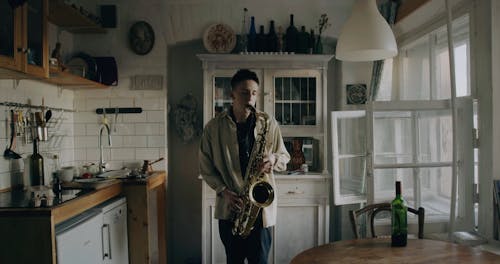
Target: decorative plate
[[356, 93], [219, 38]]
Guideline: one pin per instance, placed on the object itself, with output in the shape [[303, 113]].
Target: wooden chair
[[373, 209]]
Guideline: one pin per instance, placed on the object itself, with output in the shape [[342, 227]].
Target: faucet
[[102, 165]]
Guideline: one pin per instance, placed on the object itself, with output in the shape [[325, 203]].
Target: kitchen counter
[[72, 202], [23, 199], [31, 230]]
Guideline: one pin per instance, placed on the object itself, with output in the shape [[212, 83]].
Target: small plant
[[323, 23]]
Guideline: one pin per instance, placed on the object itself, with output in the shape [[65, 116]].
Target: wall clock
[[141, 37]]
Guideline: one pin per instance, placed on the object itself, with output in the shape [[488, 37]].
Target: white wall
[[60, 127], [135, 137], [187, 20], [138, 136]]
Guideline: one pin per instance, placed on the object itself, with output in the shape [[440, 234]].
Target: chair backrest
[[373, 209]]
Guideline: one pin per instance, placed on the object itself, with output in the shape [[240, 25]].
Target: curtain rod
[[14, 104]]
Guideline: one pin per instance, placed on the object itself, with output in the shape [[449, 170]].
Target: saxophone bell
[[261, 194]]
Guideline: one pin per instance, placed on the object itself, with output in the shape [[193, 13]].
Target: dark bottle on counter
[[272, 38], [252, 35], [399, 224], [291, 37], [36, 170], [261, 40], [303, 41], [56, 184]]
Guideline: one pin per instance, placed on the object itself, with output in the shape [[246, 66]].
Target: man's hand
[[268, 163], [235, 202]]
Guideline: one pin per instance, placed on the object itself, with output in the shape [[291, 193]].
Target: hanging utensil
[[48, 115], [9, 152], [117, 110], [42, 114]]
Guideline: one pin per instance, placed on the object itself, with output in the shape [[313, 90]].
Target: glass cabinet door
[[10, 27], [6, 30], [295, 100], [36, 41], [222, 94], [35, 32]]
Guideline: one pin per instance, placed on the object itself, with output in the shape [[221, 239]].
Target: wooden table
[[379, 250]]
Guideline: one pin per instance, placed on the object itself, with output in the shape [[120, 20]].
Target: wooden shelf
[[70, 19], [68, 79]]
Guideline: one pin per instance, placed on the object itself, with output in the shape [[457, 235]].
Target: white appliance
[[79, 239], [114, 231], [99, 235]]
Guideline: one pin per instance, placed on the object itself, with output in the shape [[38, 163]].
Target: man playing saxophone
[[240, 148]]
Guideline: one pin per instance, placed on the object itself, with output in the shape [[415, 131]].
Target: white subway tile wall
[[60, 128], [135, 137], [73, 136]]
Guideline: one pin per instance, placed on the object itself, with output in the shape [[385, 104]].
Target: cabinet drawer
[[302, 189], [291, 188]]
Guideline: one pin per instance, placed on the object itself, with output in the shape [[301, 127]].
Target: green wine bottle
[[399, 222], [36, 170]]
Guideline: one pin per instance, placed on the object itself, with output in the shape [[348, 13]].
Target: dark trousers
[[255, 247]]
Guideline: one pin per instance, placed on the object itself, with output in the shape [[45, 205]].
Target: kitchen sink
[[114, 174]]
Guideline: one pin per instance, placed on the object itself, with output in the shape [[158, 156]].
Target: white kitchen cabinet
[[293, 90], [114, 231], [303, 215], [79, 240]]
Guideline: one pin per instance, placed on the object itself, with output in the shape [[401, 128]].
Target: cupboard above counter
[[24, 50]]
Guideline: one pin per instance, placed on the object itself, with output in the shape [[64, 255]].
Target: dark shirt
[[246, 139]]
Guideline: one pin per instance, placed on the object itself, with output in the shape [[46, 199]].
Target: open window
[[406, 133]]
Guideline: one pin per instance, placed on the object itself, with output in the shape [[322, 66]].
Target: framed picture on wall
[[356, 93]]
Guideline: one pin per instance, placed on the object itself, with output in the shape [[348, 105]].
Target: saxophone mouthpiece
[[251, 108]]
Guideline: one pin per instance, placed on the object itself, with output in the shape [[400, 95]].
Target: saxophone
[[257, 192]]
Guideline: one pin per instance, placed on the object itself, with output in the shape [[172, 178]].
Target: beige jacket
[[220, 164]]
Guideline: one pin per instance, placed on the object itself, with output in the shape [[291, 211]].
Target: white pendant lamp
[[366, 36]]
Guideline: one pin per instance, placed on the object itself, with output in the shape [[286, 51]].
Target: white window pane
[[349, 156], [426, 187], [462, 70], [416, 72], [395, 136], [392, 133], [443, 90], [352, 176], [385, 90], [352, 135], [431, 53], [436, 192], [384, 188], [435, 136]]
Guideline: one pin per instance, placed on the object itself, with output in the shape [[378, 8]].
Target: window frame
[[464, 214]]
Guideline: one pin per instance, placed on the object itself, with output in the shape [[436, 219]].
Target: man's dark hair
[[243, 75]]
